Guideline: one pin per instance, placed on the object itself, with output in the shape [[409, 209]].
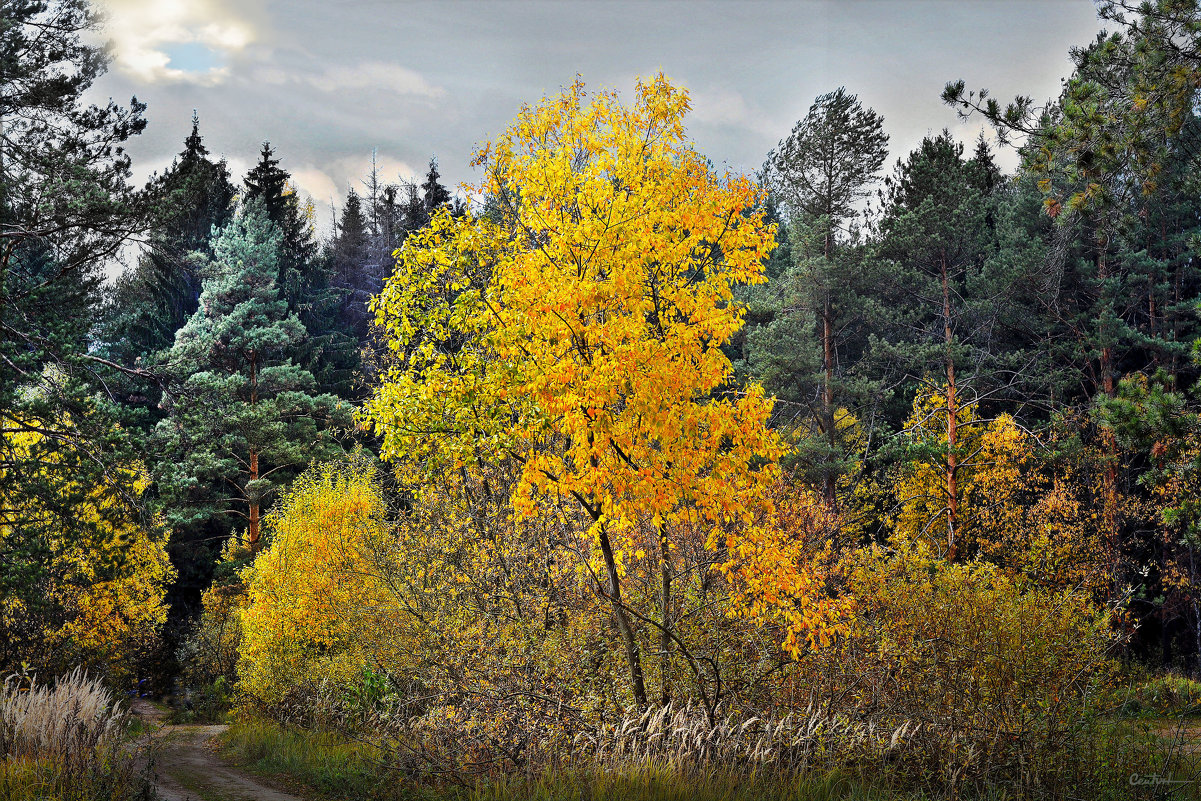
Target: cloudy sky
[[328, 81]]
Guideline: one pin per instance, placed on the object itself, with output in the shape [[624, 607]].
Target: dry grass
[[532, 751], [682, 736], [65, 741], [73, 718]]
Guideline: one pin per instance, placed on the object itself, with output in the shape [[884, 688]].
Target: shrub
[[210, 651], [208, 656], [208, 703], [999, 675], [1162, 696], [314, 605]]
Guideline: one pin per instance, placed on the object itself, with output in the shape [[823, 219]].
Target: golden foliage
[[982, 662], [107, 572], [310, 596], [780, 571], [921, 490], [574, 330], [1019, 510]]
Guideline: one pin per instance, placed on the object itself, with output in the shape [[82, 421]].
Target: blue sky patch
[[192, 57]]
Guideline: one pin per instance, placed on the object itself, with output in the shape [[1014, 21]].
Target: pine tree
[[65, 209], [821, 173], [243, 415], [983, 173], [936, 239]]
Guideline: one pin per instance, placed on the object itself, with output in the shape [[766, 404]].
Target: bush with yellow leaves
[[1027, 509], [102, 574], [315, 607], [994, 670]]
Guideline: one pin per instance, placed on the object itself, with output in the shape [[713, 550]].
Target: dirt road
[[188, 768]]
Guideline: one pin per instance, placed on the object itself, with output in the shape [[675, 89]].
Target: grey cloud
[[327, 82]]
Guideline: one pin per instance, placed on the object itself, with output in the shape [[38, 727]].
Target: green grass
[[112, 778], [329, 767], [1165, 696], [321, 761]]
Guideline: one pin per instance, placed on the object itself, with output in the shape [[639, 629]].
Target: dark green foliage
[[422, 204], [196, 197], [147, 304], [304, 277], [1113, 162], [268, 183], [433, 194], [65, 208], [242, 415], [810, 323], [934, 242], [355, 273], [299, 271]]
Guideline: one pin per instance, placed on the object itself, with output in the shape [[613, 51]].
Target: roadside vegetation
[[70, 740], [622, 475]]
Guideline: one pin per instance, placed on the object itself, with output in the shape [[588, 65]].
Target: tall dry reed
[[74, 717], [66, 741]]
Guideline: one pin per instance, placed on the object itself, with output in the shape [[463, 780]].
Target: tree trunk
[[665, 604], [623, 621], [828, 399], [1108, 386], [633, 656], [952, 419], [255, 526], [1196, 611]]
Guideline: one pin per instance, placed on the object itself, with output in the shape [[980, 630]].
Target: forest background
[[614, 446]]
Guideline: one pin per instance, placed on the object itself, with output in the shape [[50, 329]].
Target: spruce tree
[[149, 303], [433, 194], [354, 273], [424, 199], [267, 183], [304, 277]]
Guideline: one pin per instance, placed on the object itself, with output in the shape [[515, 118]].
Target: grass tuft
[[66, 742]]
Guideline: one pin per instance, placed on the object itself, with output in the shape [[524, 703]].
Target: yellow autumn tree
[[792, 555], [934, 491], [105, 572], [314, 606], [1015, 508], [574, 329], [1035, 516]]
